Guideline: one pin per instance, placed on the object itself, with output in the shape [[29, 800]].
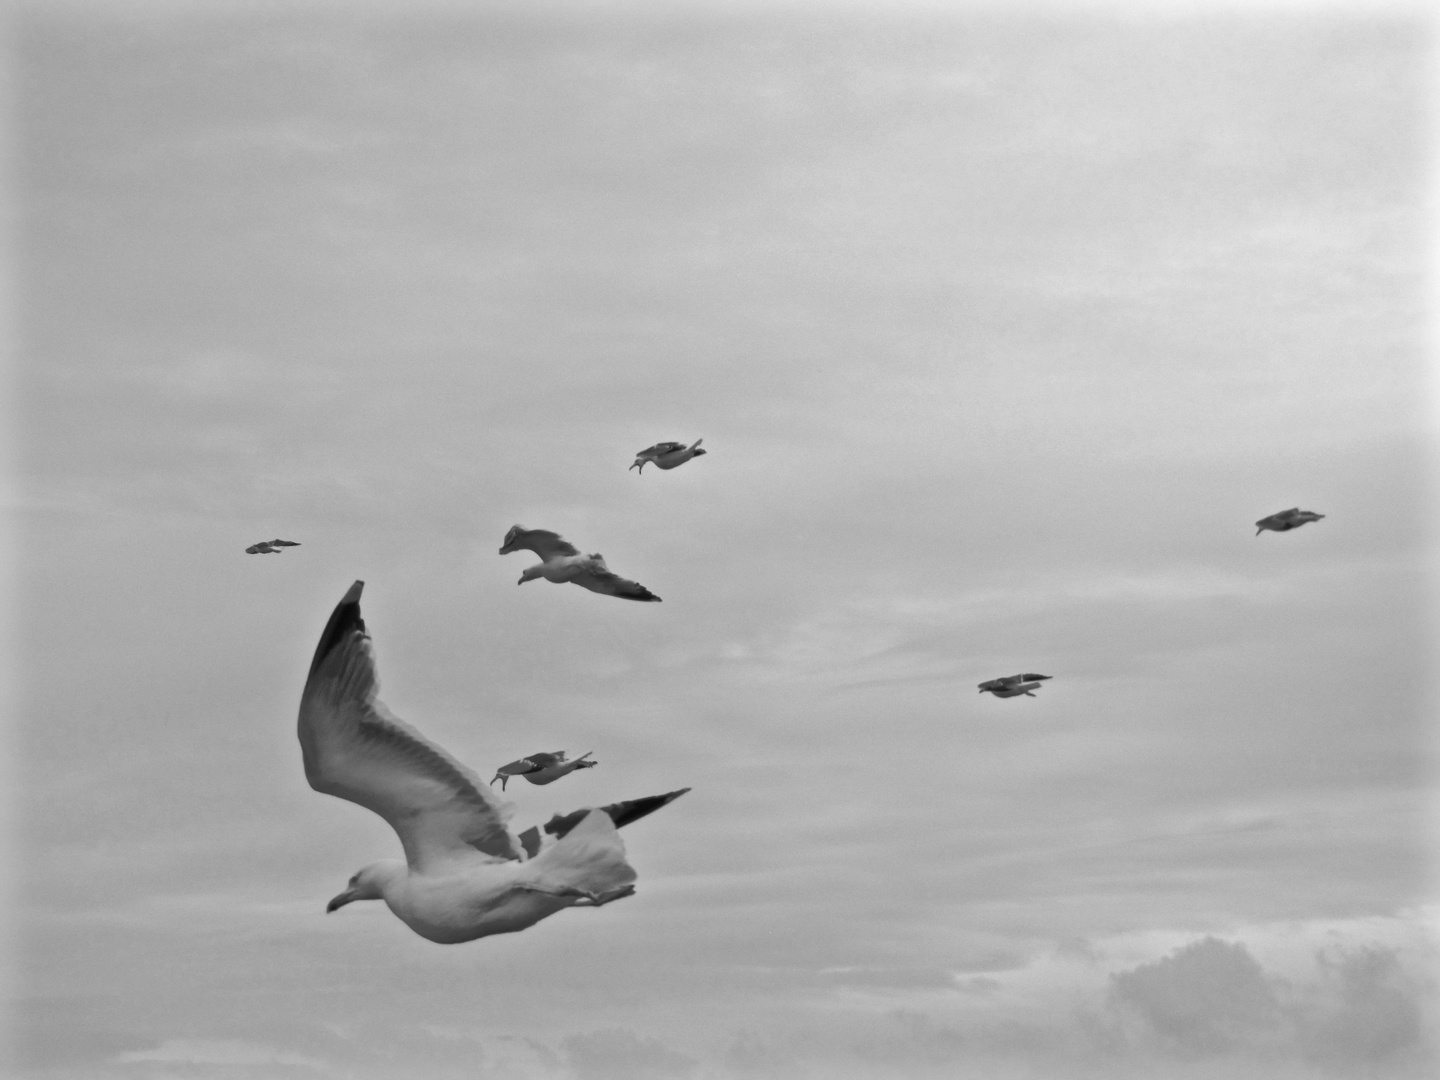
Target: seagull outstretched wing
[[542, 542], [355, 749], [660, 448], [597, 577], [1286, 520]]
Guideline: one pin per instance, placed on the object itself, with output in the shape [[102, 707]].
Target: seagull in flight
[[1013, 685], [666, 455], [543, 768], [269, 547], [563, 562], [465, 874], [1286, 520]]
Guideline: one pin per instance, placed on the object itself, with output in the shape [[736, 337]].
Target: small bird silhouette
[[270, 547], [1286, 520], [563, 562], [543, 768], [1013, 685], [667, 455]]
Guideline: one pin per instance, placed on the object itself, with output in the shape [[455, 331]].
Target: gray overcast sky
[[1001, 326]]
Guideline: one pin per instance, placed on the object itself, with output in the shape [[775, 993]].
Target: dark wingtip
[[343, 620], [621, 813]]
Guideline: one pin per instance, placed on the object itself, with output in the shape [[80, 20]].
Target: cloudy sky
[[1001, 326]]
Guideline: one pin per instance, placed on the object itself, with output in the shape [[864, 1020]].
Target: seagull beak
[[339, 901]]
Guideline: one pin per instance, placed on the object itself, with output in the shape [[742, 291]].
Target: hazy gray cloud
[[1204, 999], [1365, 1014], [619, 1054]]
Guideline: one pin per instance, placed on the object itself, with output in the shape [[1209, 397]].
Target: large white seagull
[[465, 875]]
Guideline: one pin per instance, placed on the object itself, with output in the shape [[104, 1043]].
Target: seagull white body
[[465, 874], [667, 455], [1013, 685], [543, 768], [1286, 520], [563, 562], [269, 547]]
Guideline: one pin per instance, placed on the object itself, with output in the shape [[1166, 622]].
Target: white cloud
[[226, 1052]]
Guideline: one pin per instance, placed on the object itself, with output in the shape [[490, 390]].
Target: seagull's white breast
[[470, 904], [564, 567]]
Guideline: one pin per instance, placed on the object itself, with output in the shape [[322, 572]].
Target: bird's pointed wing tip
[[343, 619]]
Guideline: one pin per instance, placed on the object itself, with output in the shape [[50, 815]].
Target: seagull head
[[368, 883]]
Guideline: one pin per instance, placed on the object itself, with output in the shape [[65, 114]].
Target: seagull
[[666, 455], [543, 768], [1013, 685], [268, 547], [563, 562], [465, 875], [1286, 520]]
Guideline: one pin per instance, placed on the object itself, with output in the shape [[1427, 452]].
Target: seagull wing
[[661, 448], [518, 768], [1274, 521], [355, 749], [597, 577], [542, 542], [533, 763]]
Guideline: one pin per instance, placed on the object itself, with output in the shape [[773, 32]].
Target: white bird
[[563, 562], [269, 547], [543, 768], [465, 874], [667, 455], [1013, 685], [1286, 520]]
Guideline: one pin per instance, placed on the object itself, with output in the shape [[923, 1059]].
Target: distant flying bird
[[1013, 685], [465, 874], [667, 455], [1286, 520], [268, 547], [563, 562], [543, 768]]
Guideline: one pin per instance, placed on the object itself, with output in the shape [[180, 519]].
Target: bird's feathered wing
[[354, 748], [1287, 519], [533, 763], [660, 448], [597, 577], [542, 542]]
